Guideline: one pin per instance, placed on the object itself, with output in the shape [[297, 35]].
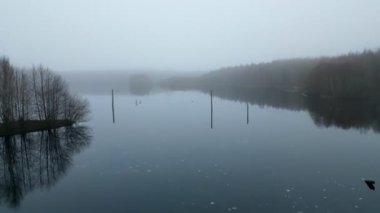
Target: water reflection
[[37, 160], [360, 114]]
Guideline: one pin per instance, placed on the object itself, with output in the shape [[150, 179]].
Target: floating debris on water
[[370, 184], [233, 208]]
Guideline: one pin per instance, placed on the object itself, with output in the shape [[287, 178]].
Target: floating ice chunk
[[288, 190], [212, 203], [360, 198], [148, 171], [234, 208], [356, 206]]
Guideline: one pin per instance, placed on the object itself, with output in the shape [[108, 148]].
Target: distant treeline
[[36, 94], [355, 75]]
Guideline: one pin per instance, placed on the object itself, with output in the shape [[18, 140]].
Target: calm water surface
[[162, 156]]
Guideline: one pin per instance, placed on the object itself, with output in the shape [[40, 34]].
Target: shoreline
[[23, 127]]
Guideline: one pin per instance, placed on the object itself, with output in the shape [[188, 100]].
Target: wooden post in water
[[113, 108], [211, 109], [247, 113]]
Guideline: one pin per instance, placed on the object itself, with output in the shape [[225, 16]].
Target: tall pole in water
[[247, 113], [211, 109], [113, 108]]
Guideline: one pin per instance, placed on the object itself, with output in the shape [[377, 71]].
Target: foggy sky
[[181, 34]]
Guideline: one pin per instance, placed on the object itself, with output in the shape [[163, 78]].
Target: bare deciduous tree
[[37, 94]]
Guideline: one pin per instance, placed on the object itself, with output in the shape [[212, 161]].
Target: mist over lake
[[158, 156], [201, 106]]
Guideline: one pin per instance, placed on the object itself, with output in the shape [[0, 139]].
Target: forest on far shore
[[355, 75]]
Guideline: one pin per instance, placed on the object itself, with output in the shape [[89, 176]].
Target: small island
[[36, 99], [140, 84]]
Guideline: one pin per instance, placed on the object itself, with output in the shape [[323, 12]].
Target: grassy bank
[[15, 128]]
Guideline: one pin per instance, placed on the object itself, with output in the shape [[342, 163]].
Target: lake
[[161, 155]]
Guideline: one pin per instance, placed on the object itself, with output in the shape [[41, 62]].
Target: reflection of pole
[[113, 109], [211, 109], [247, 113]]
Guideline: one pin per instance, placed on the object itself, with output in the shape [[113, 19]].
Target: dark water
[[162, 156]]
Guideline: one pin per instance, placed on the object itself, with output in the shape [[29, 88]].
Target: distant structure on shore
[[140, 84]]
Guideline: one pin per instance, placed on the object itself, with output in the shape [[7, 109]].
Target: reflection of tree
[[261, 97], [37, 160], [345, 114], [363, 114]]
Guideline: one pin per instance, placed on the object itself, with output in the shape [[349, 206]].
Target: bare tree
[[7, 91], [38, 94], [76, 109]]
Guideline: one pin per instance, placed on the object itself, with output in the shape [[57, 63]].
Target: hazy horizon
[[181, 36]]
